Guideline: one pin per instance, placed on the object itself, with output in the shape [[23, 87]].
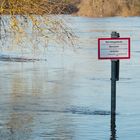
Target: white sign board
[[114, 48]]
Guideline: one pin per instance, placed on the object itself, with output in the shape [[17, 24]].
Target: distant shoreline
[[87, 8], [105, 8]]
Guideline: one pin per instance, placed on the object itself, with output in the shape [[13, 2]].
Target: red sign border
[[112, 58]]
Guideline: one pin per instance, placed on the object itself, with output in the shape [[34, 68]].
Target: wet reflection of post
[[113, 127]]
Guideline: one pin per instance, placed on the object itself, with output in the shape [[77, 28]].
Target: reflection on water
[[113, 127], [18, 123], [67, 97], [18, 126]]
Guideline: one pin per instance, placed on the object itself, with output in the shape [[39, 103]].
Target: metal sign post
[[114, 77], [115, 64], [114, 49]]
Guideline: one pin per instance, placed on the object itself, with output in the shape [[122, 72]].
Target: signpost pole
[[114, 78], [114, 49]]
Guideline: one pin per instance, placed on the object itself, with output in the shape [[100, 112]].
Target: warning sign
[[114, 48]]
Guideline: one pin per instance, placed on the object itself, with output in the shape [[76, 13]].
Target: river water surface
[[67, 97]]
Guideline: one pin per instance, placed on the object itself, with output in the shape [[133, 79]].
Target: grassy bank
[[94, 8], [103, 8]]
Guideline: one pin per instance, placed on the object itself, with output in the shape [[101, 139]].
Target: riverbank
[[92, 8], [107, 8]]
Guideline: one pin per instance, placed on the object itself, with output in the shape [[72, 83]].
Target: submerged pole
[[113, 127]]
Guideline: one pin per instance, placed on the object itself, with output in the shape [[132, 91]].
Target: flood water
[[67, 97]]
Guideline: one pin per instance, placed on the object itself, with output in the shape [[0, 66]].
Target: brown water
[[67, 97]]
